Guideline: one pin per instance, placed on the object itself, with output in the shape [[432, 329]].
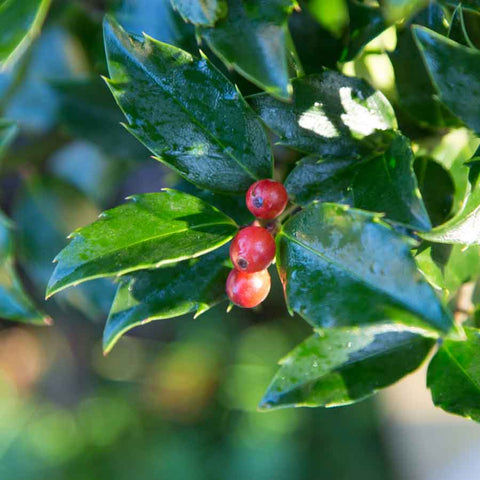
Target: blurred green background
[[176, 399]]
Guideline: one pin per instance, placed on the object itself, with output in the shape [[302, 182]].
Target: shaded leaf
[[454, 377], [252, 39], [454, 68], [191, 286], [395, 10], [201, 12], [14, 302], [186, 113], [341, 267], [8, 131], [385, 184], [329, 115], [20, 24], [342, 366], [152, 230]]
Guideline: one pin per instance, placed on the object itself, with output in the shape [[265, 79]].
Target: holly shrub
[[367, 112]]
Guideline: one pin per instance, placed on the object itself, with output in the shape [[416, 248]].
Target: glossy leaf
[[341, 366], [454, 377], [20, 24], [89, 112], [454, 68], [416, 92], [201, 12], [45, 211], [341, 267], [464, 227], [191, 286], [14, 302], [329, 115], [187, 113], [252, 39], [366, 22], [151, 230], [384, 184]]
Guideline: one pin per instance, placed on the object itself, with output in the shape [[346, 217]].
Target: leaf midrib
[[461, 368], [186, 111], [353, 275]]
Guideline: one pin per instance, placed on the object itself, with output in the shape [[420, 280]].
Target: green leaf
[[464, 227], [20, 24], [341, 267], [252, 39], [187, 113], [341, 366], [329, 115], [395, 10], [436, 187], [366, 23], [89, 112], [8, 131], [416, 93], [201, 12], [332, 15], [191, 286], [455, 71], [152, 230], [14, 302], [384, 184], [454, 377]]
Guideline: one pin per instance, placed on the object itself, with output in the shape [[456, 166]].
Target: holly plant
[[293, 164]]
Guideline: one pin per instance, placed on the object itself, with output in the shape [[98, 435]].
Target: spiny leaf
[[201, 12], [151, 230]]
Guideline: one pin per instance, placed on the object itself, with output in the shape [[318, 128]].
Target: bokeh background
[[175, 399]]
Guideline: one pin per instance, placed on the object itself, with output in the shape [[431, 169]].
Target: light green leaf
[[455, 71], [384, 184], [454, 376], [395, 10], [252, 39], [201, 12], [341, 267], [342, 366], [186, 112], [14, 302], [151, 230], [191, 286], [329, 115], [20, 24]]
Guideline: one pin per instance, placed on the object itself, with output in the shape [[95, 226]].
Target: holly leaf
[[186, 112], [89, 112], [454, 378], [337, 367], [395, 10], [150, 231], [342, 267], [14, 303], [194, 285], [252, 39], [201, 12], [329, 115], [20, 23], [384, 184], [464, 227], [453, 68]]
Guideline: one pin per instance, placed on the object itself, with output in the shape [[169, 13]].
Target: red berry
[[247, 290], [252, 250], [267, 199]]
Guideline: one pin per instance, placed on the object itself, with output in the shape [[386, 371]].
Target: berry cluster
[[253, 248]]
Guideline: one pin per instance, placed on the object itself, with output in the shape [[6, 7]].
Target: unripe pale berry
[[248, 290], [253, 249], [267, 199]]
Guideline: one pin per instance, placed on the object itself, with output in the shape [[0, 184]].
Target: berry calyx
[[267, 199], [253, 249], [248, 290]]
